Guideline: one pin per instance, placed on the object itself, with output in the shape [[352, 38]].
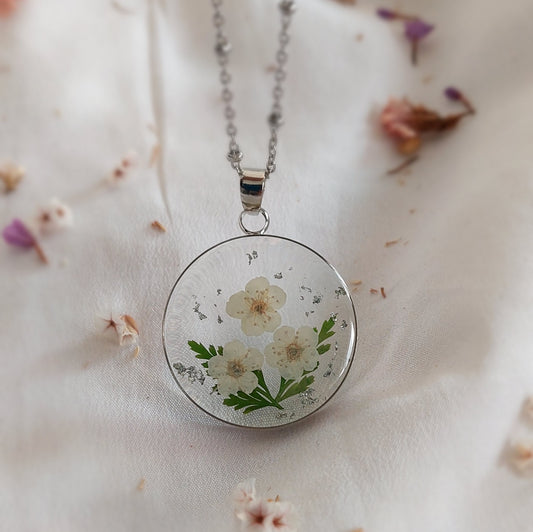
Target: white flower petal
[[237, 306], [284, 335], [256, 286], [291, 371], [216, 367], [227, 385], [247, 382], [271, 321], [234, 349], [243, 494], [306, 336], [254, 359], [252, 326], [276, 297]]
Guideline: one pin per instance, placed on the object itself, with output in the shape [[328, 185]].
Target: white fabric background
[[414, 440]]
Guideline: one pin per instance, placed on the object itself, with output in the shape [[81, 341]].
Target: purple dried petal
[[453, 94], [17, 234], [416, 29], [386, 14]]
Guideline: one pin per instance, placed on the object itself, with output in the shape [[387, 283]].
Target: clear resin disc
[[259, 331]]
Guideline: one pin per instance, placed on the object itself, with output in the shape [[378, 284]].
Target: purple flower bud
[[416, 29], [453, 94], [17, 234], [386, 14]]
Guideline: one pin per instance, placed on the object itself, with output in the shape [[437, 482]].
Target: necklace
[[259, 330]]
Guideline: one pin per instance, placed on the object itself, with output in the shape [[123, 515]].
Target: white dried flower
[[123, 168], [233, 369], [292, 351], [257, 306], [243, 494], [53, 216]]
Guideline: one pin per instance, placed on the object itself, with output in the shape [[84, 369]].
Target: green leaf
[[298, 387], [250, 402], [324, 348], [203, 353], [325, 331]]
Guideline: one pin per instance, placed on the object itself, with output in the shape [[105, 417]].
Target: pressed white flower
[[243, 494], [522, 457], [261, 515], [257, 306], [292, 351], [233, 369], [53, 216]]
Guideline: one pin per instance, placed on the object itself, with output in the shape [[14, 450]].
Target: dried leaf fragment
[[141, 484], [355, 284], [159, 226], [383, 294], [392, 242]]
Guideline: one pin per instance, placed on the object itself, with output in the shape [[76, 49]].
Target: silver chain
[[275, 118]]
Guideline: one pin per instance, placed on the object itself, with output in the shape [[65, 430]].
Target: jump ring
[[263, 229]]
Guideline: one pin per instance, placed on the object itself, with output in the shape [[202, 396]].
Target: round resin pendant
[[259, 331]]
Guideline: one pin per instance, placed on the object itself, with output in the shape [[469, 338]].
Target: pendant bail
[[252, 188]]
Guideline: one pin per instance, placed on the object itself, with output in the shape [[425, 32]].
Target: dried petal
[[386, 14], [522, 457], [159, 226], [17, 234], [7, 7], [416, 29], [11, 175]]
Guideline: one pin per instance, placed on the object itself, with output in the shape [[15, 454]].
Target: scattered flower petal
[[392, 242], [522, 457], [454, 94], [11, 175], [233, 370], [17, 234], [257, 306], [141, 484], [125, 328], [293, 352], [405, 122], [55, 215], [7, 7], [415, 29], [243, 494]]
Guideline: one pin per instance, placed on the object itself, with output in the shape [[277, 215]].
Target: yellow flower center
[[294, 352], [235, 369], [259, 306]]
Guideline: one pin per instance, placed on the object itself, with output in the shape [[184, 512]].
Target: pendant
[[260, 330]]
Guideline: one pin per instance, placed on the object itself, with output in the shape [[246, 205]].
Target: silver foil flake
[[306, 288], [219, 319], [333, 316], [344, 324], [309, 312], [196, 309], [317, 300], [340, 292], [251, 256], [278, 275], [283, 415], [329, 370], [193, 374], [307, 398], [219, 291]]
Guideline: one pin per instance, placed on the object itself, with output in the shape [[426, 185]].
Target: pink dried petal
[[417, 29]]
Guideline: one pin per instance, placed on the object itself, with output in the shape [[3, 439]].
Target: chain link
[[275, 118]]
